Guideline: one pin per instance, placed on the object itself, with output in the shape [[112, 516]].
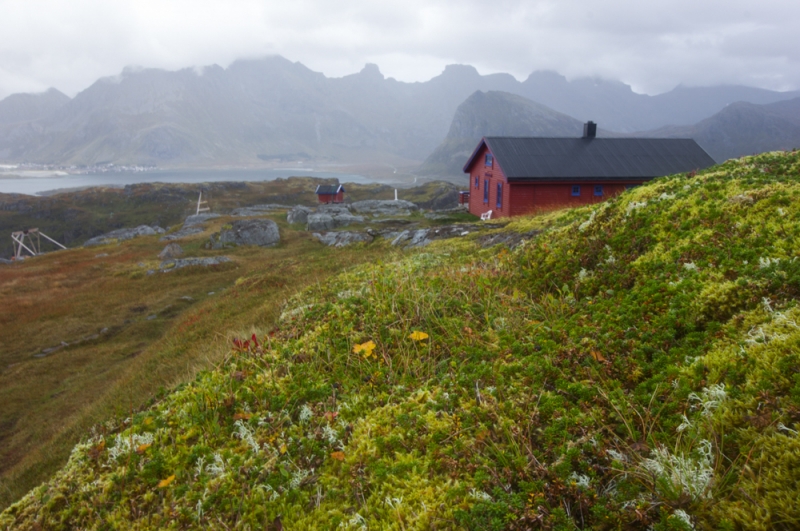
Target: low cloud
[[652, 45]]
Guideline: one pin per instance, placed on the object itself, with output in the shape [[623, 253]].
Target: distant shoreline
[[65, 182]]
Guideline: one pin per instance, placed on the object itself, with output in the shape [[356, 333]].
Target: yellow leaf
[[240, 416], [364, 348], [165, 482], [339, 456], [283, 449], [416, 335], [142, 447], [597, 356]]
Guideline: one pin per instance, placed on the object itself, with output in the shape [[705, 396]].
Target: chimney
[[589, 129]]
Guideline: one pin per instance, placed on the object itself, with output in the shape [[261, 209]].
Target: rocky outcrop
[[378, 207], [182, 233], [261, 232], [407, 238], [331, 220], [422, 237], [509, 239], [191, 225], [334, 209], [177, 263], [298, 214], [258, 210], [198, 219], [120, 235], [173, 250], [341, 239]]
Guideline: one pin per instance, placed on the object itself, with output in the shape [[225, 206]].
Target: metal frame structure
[[35, 245]]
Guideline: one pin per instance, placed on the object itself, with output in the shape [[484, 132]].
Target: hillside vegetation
[[633, 364]]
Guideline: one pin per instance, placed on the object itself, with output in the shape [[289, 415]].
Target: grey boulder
[[341, 239], [298, 214], [198, 219], [123, 234], [384, 207], [178, 263], [258, 210], [173, 250], [326, 221], [334, 209], [261, 232]]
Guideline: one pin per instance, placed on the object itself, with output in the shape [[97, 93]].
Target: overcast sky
[[653, 45]]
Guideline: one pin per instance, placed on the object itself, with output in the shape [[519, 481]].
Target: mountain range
[[271, 110], [739, 129]]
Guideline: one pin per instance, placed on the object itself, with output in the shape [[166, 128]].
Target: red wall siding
[[526, 198], [331, 198], [493, 175], [529, 198]]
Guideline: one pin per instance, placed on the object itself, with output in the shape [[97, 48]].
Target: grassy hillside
[[634, 364], [128, 335]]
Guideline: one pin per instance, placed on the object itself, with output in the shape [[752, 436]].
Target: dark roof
[[329, 189], [527, 158]]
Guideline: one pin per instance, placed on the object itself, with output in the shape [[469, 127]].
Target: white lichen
[[244, 433], [305, 414], [479, 495], [581, 480], [691, 475], [709, 398]]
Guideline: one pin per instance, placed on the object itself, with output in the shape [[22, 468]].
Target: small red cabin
[[511, 176], [330, 193]]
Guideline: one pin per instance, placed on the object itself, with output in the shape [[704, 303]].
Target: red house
[[330, 193], [510, 176]]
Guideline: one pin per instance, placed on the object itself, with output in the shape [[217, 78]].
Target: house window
[[489, 160], [576, 190], [499, 196], [477, 182], [598, 190], [486, 190]]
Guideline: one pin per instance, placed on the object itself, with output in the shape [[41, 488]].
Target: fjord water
[[38, 185]]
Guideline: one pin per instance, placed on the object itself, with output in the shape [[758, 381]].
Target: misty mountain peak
[[371, 71], [546, 76], [460, 72]]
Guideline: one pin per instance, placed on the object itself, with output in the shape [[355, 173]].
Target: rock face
[[182, 233], [330, 220], [123, 234], [191, 225], [258, 210], [384, 207], [422, 237], [298, 214], [173, 250], [406, 238], [261, 232], [198, 219], [177, 263], [334, 209], [340, 239]]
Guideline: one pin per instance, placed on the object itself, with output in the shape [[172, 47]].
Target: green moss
[[633, 364]]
